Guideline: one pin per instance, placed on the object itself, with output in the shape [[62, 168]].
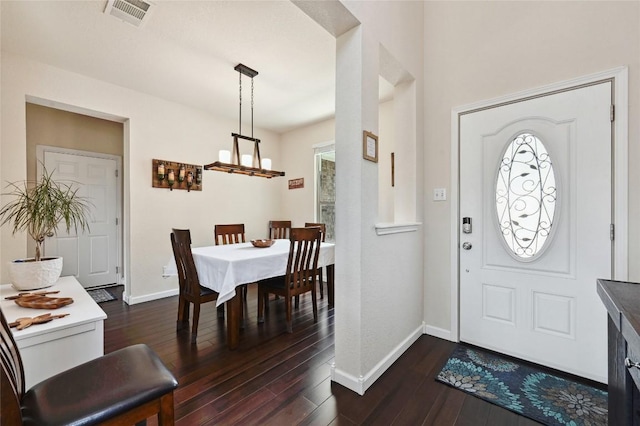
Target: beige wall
[[480, 50]]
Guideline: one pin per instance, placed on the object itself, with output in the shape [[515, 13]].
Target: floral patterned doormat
[[524, 389]]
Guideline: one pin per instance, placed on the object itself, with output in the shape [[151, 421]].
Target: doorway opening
[[325, 188], [478, 257], [58, 132]]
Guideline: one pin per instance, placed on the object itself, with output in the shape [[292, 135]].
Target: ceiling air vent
[[134, 12]]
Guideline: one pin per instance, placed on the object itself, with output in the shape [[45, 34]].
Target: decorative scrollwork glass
[[526, 196]]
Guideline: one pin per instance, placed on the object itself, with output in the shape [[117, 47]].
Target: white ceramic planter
[[27, 274]]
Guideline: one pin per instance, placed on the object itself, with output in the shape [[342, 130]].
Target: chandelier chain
[[251, 106], [240, 96]]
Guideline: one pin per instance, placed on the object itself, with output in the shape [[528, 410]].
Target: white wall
[[390, 265], [480, 50], [386, 145], [298, 162], [377, 277], [155, 128]]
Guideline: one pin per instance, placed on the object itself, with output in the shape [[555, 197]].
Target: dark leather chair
[[279, 229], [300, 277], [124, 387], [191, 292]]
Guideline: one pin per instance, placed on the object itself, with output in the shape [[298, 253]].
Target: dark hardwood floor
[[275, 378]]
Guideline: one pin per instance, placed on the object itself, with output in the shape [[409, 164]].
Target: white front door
[[535, 183], [91, 256]]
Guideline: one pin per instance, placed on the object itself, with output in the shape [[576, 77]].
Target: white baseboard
[[149, 297], [438, 332], [360, 384]]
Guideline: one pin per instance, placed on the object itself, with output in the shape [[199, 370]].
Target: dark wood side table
[[622, 300]]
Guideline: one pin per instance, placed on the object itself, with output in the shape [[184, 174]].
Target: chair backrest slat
[[181, 243], [279, 229], [12, 376], [175, 235], [229, 234]]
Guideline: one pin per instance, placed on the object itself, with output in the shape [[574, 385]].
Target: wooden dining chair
[[191, 292], [323, 231], [123, 387], [300, 276], [279, 229], [231, 234]]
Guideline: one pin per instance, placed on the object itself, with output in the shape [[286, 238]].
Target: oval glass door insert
[[526, 197]]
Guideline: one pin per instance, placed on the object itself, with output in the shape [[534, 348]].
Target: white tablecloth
[[222, 268]]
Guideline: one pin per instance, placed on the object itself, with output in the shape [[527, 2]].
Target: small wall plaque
[[296, 183]]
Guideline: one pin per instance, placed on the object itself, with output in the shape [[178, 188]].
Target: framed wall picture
[[369, 146]]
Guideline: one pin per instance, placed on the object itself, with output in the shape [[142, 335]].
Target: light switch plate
[[439, 194]]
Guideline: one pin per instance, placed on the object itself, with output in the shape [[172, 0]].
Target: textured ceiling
[[186, 52]]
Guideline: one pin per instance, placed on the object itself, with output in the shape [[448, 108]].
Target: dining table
[[223, 268]]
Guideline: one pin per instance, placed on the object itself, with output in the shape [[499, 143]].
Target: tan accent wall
[[54, 127]]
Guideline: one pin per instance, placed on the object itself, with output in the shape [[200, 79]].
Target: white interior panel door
[[91, 256], [535, 181]]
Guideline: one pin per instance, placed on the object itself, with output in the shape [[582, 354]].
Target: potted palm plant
[[39, 208]]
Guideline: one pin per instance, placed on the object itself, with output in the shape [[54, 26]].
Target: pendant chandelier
[[248, 164]]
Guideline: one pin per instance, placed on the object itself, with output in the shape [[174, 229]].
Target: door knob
[[466, 245], [630, 364]]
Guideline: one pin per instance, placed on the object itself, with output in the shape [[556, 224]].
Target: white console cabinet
[[63, 343]]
